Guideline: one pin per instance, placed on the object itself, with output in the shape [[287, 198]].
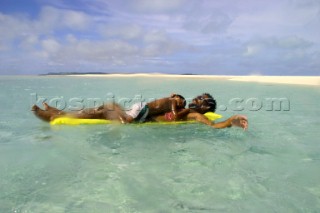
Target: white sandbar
[[299, 80]]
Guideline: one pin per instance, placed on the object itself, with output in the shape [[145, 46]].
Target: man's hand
[[240, 121]]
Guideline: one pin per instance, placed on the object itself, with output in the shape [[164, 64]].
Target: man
[[206, 103]]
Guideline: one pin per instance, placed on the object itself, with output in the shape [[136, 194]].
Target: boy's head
[[181, 101]]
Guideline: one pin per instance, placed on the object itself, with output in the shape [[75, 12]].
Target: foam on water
[[273, 167]]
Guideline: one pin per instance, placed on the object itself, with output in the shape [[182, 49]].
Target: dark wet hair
[[180, 96], [210, 101]]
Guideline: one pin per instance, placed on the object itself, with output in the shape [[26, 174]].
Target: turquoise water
[[272, 167]]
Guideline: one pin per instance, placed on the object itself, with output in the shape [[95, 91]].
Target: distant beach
[[297, 80]]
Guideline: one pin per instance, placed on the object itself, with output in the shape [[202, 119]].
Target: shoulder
[[194, 115], [199, 117]]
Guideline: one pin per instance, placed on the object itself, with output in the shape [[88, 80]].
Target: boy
[[140, 111]]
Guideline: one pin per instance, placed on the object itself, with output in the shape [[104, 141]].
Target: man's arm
[[236, 120]]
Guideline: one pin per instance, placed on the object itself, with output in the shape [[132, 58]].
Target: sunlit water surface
[[272, 167]]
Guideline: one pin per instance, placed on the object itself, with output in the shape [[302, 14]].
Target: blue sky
[[229, 37]]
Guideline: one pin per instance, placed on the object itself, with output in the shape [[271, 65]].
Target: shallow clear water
[[272, 167]]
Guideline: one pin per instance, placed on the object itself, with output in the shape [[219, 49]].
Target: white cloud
[[284, 18], [155, 36], [53, 18], [123, 44], [111, 51], [50, 20], [156, 6], [128, 31], [290, 55], [95, 51], [50, 45], [12, 27], [159, 44], [224, 35], [76, 20], [292, 42], [70, 38], [214, 22], [276, 46], [252, 49]]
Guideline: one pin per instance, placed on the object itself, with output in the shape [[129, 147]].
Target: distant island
[[104, 73], [76, 73]]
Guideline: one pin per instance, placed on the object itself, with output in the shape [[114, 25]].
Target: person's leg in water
[[107, 111], [50, 113], [44, 115], [50, 108]]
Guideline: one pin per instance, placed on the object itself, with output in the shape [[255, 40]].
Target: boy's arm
[[178, 114], [174, 108], [182, 113]]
